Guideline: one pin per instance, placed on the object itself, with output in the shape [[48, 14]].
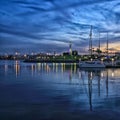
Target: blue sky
[[49, 25]]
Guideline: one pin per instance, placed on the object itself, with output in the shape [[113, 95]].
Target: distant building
[[75, 52], [66, 53]]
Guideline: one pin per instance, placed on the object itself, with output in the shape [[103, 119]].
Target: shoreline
[[51, 61], [64, 61]]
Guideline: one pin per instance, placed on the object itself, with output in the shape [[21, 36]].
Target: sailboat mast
[[99, 44], [90, 42], [99, 41], [107, 44]]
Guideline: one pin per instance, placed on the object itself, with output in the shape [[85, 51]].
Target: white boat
[[91, 64]]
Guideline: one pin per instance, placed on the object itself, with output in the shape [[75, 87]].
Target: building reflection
[[99, 78], [17, 67], [6, 68], [32, 69], [39, 66], [107, 83]]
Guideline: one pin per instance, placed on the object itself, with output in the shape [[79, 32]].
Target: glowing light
[[16, 53], [102, 60], [113, 74], [102, 75], [112, 61], [25, 55]]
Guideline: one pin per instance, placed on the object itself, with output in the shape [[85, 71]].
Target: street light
[[112, 61]]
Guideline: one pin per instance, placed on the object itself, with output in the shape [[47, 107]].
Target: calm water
[[35, 91]]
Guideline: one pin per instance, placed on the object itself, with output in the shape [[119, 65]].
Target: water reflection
[[6, 68], [88, 88], [92, 74], [17, 67], [96, 77], [90, 77], [107, 83]]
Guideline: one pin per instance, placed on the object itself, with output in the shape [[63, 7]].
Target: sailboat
[[92, 63]]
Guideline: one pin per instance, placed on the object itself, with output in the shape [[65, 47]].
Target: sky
[[50, 25]]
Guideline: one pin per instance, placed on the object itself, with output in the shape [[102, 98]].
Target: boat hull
[[91, 65]]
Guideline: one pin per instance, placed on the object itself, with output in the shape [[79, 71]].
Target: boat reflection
[[90, 77], [93, 76]]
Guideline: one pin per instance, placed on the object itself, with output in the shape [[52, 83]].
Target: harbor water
[[41, 91]]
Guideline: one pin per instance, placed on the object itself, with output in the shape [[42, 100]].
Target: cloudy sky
[[49, 25]]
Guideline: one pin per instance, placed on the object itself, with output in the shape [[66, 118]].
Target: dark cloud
[[49, 25]]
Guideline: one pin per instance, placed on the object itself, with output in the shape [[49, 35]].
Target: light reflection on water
[[57, 83]]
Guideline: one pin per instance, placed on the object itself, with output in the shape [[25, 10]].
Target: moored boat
[[91, 64]]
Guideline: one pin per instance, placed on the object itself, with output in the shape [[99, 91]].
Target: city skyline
[[49, 25]]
